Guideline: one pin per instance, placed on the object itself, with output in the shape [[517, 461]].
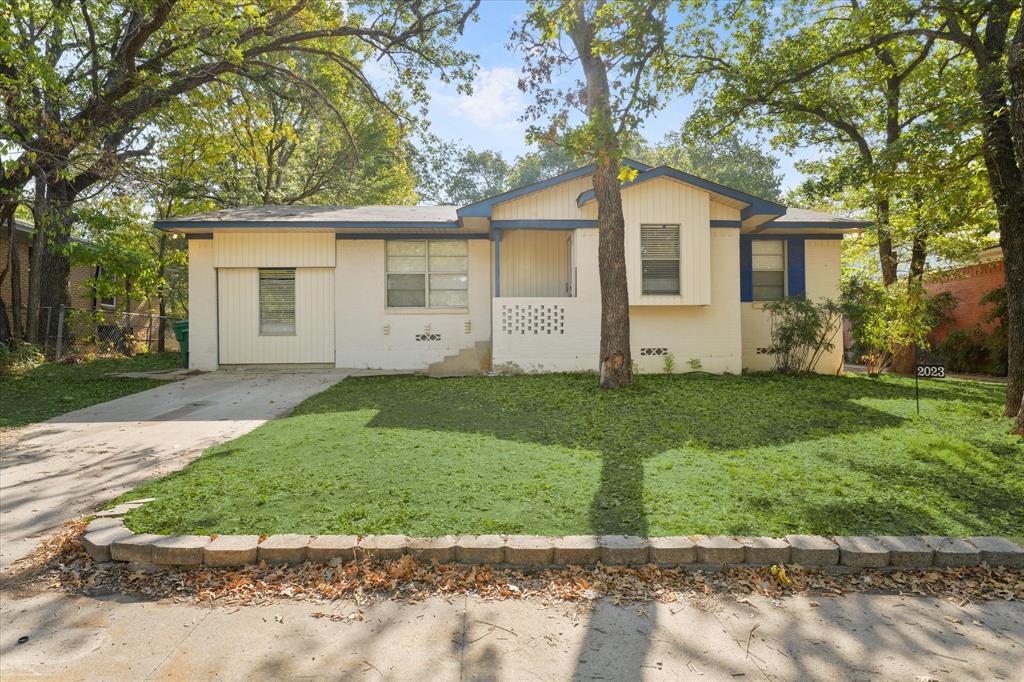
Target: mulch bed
[[61, 563]]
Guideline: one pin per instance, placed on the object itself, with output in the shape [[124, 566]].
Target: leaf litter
[[61, 563]]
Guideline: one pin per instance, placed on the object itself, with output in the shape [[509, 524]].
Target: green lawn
[[52, 389], [762, 454]]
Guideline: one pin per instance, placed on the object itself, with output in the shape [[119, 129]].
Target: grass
[[761, 454], [52, 389]]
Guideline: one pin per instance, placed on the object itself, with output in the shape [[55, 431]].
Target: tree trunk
[[616, 368], [1011, 219], [903, 356], [1003, 146], [54, 263], [886, 253], [13, 270]]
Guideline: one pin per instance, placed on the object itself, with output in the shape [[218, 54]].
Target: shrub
[[19, 357], [964, 351], [885, 319], [801, 332]]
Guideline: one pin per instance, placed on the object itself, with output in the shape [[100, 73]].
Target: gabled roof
[[483, 208], [754, 205], [320, 216]]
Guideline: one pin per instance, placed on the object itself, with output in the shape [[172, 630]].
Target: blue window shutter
[[795, 268], [746, 270]]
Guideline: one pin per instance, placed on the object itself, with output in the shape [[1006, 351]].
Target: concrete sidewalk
[[859, 637], [74, 463]]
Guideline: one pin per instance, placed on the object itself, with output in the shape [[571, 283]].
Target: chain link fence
[[68, 332]]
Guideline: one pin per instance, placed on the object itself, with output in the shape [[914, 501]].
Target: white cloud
[[496, 101]]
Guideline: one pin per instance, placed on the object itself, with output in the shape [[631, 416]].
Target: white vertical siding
[[720, 211], [202, 305], [664, 201], [274, 249], [535, 262], [239, 324], [554, 203]]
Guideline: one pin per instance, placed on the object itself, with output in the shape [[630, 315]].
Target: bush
[[964, 351], [19, 357], [885, 319], [801, 331]]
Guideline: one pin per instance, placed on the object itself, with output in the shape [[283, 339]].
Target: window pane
[[448, 282], [660, 277], [407, 264], [448, 247], [767, 263], [405, 282], [397, 248], [449, 298], [773, 278], [766, 247], [768, 293], [447, 263], [277, 301], [406, 298]]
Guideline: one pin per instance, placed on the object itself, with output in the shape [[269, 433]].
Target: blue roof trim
[[482, 209], [837, 225], [757, 205], [777, 235], [410, 235], [543, 224], [327, 224], [726, 223], [198, 235]]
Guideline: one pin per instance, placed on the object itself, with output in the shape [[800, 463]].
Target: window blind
[[659, 256], [277, 301], [428, 274], [768, 260]]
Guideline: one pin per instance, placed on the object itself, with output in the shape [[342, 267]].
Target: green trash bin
[[181, 333]]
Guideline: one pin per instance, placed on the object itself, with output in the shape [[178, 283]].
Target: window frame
[[678, 259], [785, 271], [259, 302], [103, 302], [426, 274]]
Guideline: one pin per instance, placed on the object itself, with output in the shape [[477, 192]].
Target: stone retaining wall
[[107, 539]]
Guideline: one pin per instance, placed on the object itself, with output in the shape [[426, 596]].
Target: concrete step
[[467, 362]]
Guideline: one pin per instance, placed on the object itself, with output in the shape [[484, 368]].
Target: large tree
[[79, 82], [619, 45]]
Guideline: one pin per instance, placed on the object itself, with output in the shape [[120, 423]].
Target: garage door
[[275, 315]]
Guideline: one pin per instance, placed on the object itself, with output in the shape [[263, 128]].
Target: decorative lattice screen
[[534, 318], [654, 351], [428, 337]]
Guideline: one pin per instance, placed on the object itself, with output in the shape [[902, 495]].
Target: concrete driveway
[[74, 463]]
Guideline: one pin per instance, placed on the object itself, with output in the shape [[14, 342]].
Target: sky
[[489, 118]]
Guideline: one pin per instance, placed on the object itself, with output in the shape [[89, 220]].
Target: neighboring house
[[513, 278], [80, 295], [968, 284]]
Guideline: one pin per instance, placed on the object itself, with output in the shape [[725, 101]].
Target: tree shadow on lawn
[[627, 426]]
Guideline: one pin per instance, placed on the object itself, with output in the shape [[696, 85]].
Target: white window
[[659, 256], [277, 301], [428, 274], [105, 302], [769, 269]]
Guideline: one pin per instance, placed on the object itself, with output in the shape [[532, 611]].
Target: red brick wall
[[968, 284]]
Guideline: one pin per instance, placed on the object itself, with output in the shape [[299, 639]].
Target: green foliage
[[672, 455], [123, 243], [801, 331], [977, 349], [728, 160], [19, 357], [669, 363], [885, 319], [51, 389], [695, 364]]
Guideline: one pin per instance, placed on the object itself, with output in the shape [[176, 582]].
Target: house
[[509, 283], [80, 295], [87, 315]]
